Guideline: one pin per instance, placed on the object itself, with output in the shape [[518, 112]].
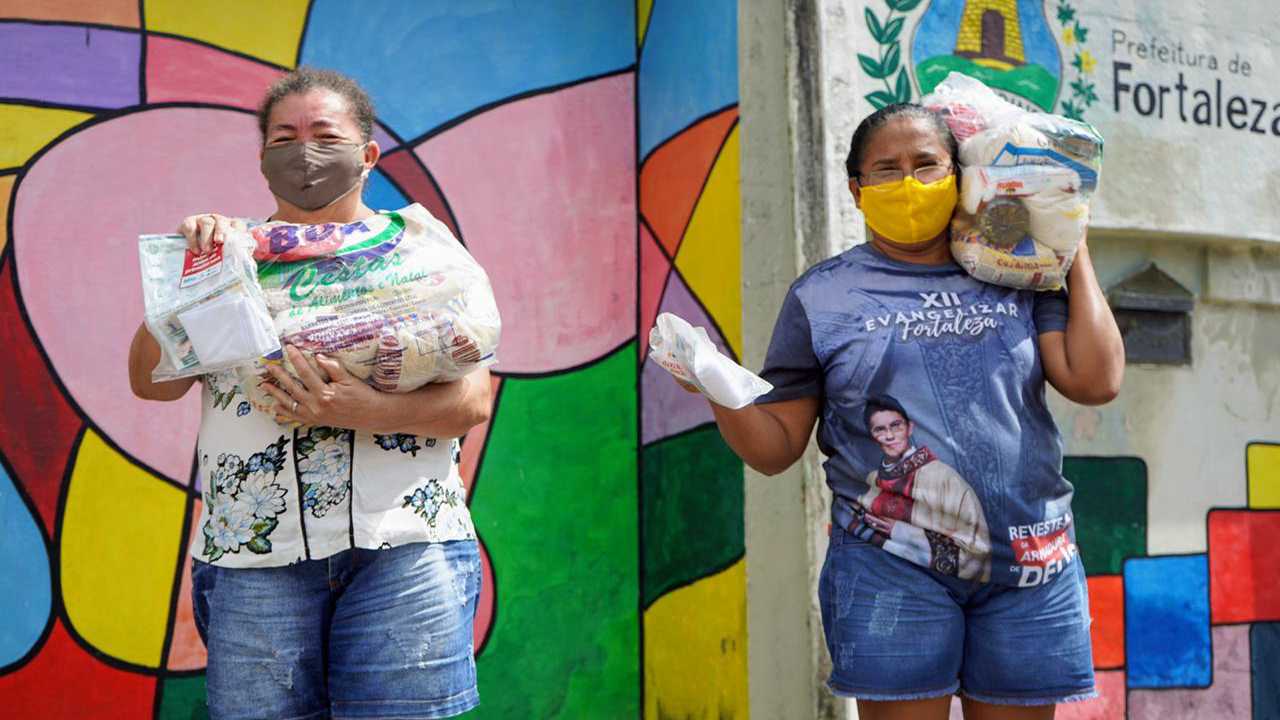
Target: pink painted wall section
[[1229, 698], [1109, 705], [94, 192], [181, 71], [563, 257]]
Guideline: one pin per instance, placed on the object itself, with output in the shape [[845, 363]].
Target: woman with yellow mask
[[952, 565]]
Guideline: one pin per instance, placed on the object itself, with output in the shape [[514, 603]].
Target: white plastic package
[[689, 354], [207, 312], [1025, 186], [395, 299]]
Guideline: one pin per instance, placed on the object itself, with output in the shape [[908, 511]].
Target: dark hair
[[306, 79], [880, 403], [879, 118]]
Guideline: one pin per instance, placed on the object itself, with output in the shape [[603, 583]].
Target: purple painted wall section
[[668, 408], [61, 64]]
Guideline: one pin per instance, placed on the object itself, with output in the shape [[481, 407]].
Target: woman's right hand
[[205, 230], [688, 387]]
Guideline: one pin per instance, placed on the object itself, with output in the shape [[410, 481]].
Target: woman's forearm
[[144, 355], [1094, 347], [770, 438], [439, 410]]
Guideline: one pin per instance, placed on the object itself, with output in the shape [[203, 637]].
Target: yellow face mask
[[909, 212]]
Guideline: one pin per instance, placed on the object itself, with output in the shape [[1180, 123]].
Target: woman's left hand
[[881, 525], [327, 395]]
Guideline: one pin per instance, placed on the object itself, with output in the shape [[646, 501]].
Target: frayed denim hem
[[408, 709], [878, 696], [1089, 694]]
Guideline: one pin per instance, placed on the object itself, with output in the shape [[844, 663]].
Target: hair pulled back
[[879, 118], [306, 79]]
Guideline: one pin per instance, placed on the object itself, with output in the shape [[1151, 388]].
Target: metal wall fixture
[[1154, 314]]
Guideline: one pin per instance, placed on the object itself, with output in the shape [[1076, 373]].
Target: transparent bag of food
[[207, 312], [1025, 185], [395, 299], [689, 354]]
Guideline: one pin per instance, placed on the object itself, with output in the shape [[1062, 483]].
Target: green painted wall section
[[1110, 506], [693, 519], [183, 699], [556, 503]]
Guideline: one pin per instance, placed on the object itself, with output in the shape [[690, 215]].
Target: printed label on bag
[[198, 268]]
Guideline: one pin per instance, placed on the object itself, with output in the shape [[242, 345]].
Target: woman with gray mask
[[337, 571]]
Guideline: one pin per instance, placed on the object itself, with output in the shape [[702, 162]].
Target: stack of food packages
[[1025, 185], [395, 299]]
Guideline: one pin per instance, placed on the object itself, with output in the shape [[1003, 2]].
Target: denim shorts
[[360, 634], [899, 631]]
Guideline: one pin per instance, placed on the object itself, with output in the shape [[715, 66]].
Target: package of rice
[[1025, 185], [396, 299]]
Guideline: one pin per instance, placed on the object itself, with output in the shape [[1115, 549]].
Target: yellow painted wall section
[[25, 129], [644, 8], [710, 255], [1262, 463], [6, 189], [970, 38], [268, 30], [695, 650], [121, 535]]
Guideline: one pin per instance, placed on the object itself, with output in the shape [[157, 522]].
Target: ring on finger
[[295, 407]]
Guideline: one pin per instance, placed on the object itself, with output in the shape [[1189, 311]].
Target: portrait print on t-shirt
[[916, 506]]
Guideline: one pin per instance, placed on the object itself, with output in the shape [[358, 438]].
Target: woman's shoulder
[[845, 267], [838, 279]]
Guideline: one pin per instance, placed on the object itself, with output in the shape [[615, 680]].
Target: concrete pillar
[[784, 231]]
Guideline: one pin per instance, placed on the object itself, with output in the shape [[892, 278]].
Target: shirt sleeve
[[1050, 311], [790, 364]]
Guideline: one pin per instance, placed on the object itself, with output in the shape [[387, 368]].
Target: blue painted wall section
[[703, 35], [26, 597], [425, 64], [1166, 619]]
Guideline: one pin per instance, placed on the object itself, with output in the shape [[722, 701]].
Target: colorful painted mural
[[1179, 636], [693, 577], [587, 154]]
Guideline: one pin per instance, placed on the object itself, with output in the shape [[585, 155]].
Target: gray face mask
[[313, 175]]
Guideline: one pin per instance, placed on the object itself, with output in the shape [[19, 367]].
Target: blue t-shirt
[[940, 446]]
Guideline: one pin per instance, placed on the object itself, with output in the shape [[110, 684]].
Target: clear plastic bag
[[395, 299], [689, 354], [1024, 189], [207, 312]]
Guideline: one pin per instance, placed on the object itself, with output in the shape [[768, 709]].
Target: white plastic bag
[[396, 299], [1024, 189], [207, 312], [689, 354]]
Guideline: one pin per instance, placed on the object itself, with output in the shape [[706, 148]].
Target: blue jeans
[[899, 631], [361, 634]]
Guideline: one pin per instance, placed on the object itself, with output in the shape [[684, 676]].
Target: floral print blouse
[[275, 495]]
